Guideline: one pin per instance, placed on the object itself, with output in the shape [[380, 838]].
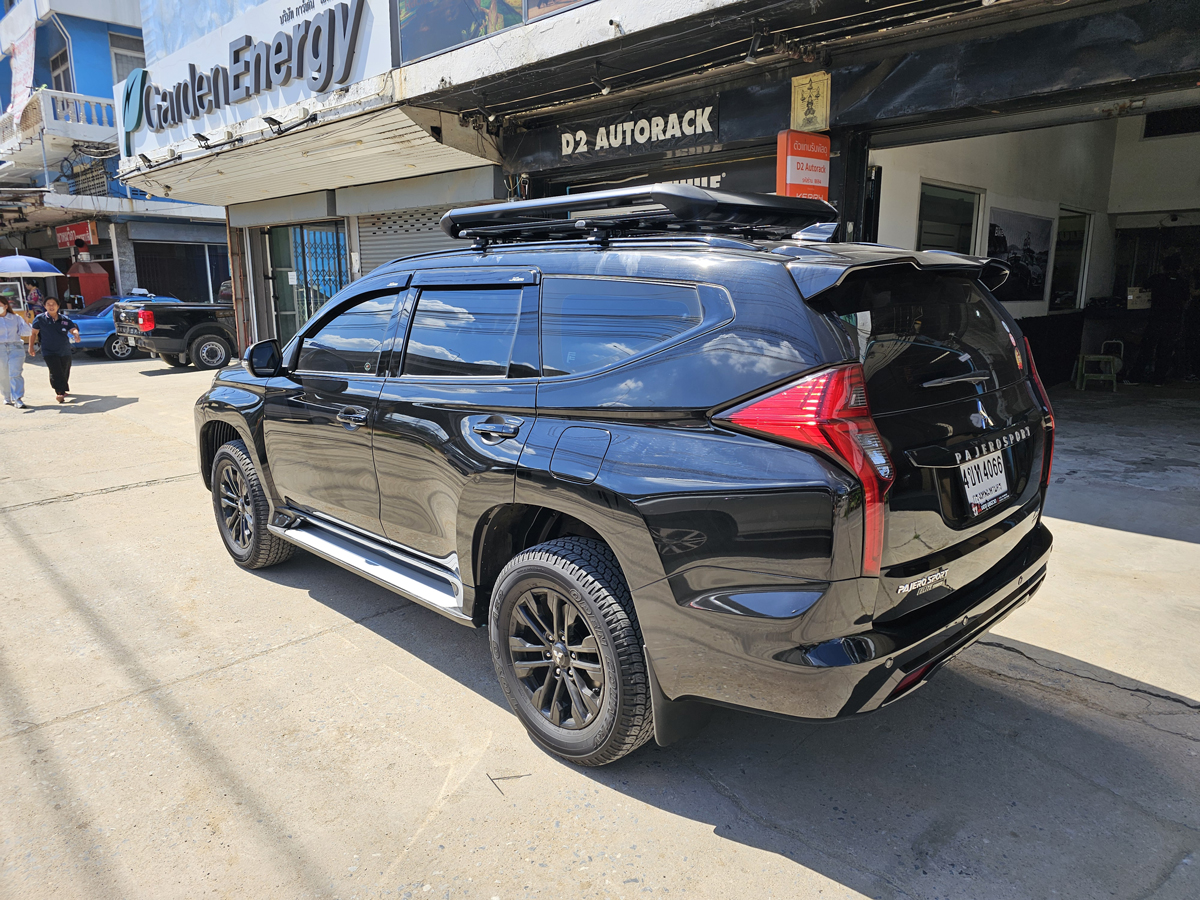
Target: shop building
[[1055, 135]]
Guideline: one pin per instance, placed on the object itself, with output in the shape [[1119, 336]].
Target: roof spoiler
[[654, 209]]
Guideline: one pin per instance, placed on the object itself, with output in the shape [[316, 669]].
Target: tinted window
[[924, 338], [589, 323], [462, 333], [350, 341]]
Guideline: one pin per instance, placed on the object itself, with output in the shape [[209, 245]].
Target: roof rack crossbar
[[656, 209]]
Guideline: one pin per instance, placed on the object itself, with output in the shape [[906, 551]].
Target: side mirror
[[994, 274], [264, 359]]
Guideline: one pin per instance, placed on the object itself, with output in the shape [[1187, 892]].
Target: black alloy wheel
[[568, 652], [556, 658], [242, 510], [210, 352]]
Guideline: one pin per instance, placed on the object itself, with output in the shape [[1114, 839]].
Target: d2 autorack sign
[[803, 165]]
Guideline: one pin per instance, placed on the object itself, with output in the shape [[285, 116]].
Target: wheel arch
[[213, 328], [508, 529], [231, 418]]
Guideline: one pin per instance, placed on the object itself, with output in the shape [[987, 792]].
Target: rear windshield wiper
[[975, 376]]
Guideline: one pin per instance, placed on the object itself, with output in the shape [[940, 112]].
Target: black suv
[[670, 456]]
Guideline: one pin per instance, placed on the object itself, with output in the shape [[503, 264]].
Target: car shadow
[[165, 369], [990, 782]]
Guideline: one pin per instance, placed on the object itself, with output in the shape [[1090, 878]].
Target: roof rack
[[654, 209]]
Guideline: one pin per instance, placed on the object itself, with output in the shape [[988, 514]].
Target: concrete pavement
[[171, 726]]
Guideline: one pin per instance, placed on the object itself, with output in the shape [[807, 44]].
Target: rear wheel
[[567, 649], [242, 510], [175, 360], [209, 351], [117, 348]]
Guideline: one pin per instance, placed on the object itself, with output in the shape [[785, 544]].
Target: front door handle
[[353, 416], [498, 428]]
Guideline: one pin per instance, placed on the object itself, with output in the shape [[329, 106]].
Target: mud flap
[[674, 720]]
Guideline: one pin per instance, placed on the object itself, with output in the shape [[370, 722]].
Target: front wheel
[[242, 510], [174, 360], [567, 649], [117, 348], [210, 352]]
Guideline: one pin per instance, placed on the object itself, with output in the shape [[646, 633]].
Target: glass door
[[1070, 250], [308, 266]]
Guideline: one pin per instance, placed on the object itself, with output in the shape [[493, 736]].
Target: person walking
[[55, 331], [12, 354]]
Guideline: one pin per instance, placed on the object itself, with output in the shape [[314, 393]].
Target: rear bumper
[[157, 345], [864, 671]]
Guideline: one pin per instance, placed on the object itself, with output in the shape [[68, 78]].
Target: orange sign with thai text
[[802, 165]]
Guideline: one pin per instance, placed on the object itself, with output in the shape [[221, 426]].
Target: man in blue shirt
[[55, 331]]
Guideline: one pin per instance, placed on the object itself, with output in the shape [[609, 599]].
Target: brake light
[[145, 320], [910, 679], [1048, 433], [828, 411]]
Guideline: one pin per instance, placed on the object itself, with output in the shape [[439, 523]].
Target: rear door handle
[[353, 416], [498, 428]]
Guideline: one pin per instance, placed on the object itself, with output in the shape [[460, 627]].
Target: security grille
[[90, 180], [388, 236]]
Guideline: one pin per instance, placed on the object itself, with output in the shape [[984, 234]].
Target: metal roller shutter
[[386, 236]]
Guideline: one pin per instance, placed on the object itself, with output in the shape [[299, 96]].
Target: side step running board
[[377, 564]]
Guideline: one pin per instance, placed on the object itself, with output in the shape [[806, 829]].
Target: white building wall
[[1154, 174], [1036, 172]]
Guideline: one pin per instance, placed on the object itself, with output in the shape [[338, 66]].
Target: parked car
[[686, 459], [202, 333], [98, 330]]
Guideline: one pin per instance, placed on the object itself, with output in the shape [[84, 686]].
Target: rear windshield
[[924, 337]]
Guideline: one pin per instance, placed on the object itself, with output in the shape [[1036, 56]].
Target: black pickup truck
[[202, 333]]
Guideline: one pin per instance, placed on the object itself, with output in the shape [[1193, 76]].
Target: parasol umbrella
[[27, 267]]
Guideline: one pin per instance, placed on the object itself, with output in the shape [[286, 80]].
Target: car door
[[457, 405], [317, 429]]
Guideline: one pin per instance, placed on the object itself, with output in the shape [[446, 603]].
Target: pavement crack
[[66, 498], [744, 808], [1170, 698], [162, 685]]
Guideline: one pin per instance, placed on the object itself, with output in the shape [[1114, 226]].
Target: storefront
[[301, 138]]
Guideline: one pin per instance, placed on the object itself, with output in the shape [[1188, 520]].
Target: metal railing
[[60, 111]]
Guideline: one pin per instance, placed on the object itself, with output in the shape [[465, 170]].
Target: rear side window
[[462, 333], [351, 340], [923, 337], [590, 323]]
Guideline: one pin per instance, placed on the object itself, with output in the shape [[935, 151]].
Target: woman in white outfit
[[12, 354]]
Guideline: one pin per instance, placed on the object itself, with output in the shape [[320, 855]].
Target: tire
[[242, 511], [174, 360], [601, 651], [210, 351], [117, 349]]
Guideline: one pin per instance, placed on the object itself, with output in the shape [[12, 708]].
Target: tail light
[[145, 320], [828, 411], [1048, 433]]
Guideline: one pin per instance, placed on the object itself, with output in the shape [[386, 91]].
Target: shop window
[[1070, 251], [128, 53], [590, 323], [60, 71], [432, 26], [462, 333], [947, 218], [192, 273], [1171, 122], [350, 342]]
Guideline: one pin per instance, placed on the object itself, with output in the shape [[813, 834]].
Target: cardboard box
[[1137, 298]]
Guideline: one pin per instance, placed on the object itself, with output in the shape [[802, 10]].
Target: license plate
[[985, 481]]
